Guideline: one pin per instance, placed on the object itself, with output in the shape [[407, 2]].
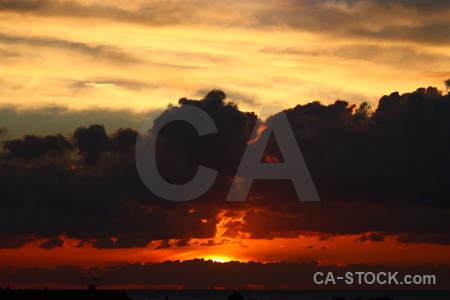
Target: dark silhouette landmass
[[91, 294], [377, 298], [238, 296]]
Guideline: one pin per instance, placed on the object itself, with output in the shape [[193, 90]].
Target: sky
[[78, 78], [138, 56]]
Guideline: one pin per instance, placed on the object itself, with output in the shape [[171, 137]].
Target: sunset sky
[[70, 195], [62, 57]]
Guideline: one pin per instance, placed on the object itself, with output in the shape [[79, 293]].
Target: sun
[[217, 258]]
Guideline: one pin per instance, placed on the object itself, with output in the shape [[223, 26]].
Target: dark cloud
[[378, 172], [447, 83], [164, 245], [414, 238], [92, 142], [239, 96], [92, 190], [32, 146], [214, 243], [13, 241], [374, 237], [207, 274], [183, 242], [52, 243]]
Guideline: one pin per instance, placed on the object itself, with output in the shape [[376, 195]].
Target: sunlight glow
[[220, 259]]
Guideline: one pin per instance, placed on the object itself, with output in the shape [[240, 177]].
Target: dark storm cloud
[[390, 164], [91, 190], [208, 274], [380, 172], [92, 142]]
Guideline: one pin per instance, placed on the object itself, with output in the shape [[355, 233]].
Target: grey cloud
[[416, 21], [109, 53], [156, 13], [421, 22], [394, 56]]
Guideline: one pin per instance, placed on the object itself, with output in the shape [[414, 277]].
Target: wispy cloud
[[109, 53]]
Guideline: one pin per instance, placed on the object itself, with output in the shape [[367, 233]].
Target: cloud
[[13, 241], [92, 142], [211, 243], [121, 83], [388, 55], [150, 13], [374, 237], [366, 19], [183, 242], [52, 243], [414, 238], [109, 53], [380, 172], [32, 146], [164, 245], [414, 21]]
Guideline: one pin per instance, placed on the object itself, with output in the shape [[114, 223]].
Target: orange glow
[[344, 249], [233, 245]]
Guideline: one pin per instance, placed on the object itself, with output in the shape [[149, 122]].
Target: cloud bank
[[383, 170]]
